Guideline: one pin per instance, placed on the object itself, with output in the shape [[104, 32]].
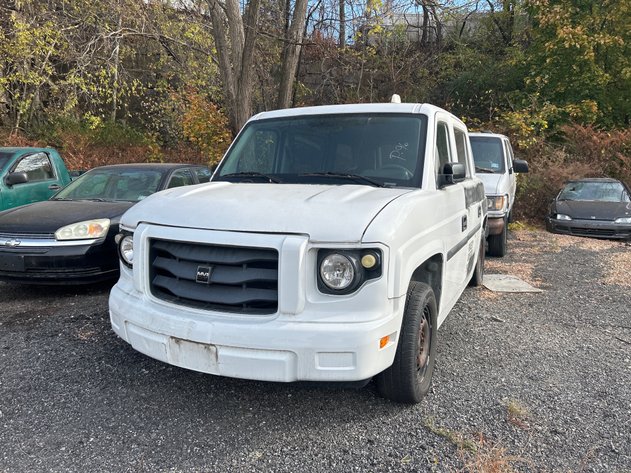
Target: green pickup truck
[[30, 175]]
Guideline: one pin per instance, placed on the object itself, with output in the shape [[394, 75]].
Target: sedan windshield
[[487, 154], [112, 184], [594, 191], [383, 150]]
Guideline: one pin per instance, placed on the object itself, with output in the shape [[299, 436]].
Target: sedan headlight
[[563, 217], [623, 220], [125, 243], [343, 271], [496, 202], [86, 230]]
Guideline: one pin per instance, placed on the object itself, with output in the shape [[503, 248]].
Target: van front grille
[[221, 278]]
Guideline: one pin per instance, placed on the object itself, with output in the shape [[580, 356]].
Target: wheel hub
[[423, 344]]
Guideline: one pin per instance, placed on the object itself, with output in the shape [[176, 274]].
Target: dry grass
[[618, 268], [589, 244], [478, 455], [523, 271], [490, 458], [517, 414], [456, 438], [489, 295], [86, 333]]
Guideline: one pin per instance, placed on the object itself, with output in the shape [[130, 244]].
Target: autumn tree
[[580, 59]]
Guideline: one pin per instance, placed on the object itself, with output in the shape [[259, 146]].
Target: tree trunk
[[235, 40], [342, 23], [291, 54]]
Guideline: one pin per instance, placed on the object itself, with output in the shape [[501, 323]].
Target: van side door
[[475, 200], [453, 210]]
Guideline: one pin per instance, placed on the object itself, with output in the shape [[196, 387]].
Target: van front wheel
[[409, 378], [498, 243]]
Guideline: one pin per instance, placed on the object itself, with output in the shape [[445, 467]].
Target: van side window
[[462, 150], [36, 166], [443, 149], [509, 154]]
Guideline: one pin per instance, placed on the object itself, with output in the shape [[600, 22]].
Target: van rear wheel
[[409, 378]]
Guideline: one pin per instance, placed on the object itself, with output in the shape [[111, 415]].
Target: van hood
[[492, 182], [324, 212]]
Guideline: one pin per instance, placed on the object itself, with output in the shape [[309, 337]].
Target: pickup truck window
[[36, 166], [370, 149], [4, 158], [487, 154]]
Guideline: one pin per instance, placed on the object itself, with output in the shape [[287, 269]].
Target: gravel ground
[[524, 382]]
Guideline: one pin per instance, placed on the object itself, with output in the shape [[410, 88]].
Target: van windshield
[[487, 154], [384, 150]]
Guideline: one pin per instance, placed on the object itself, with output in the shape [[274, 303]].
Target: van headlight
[[125, 243], [623, 220], [344, 271], [496, 202]]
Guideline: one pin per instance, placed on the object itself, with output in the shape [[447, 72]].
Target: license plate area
[[10, 262]]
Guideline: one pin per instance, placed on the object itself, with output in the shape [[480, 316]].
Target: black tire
[[497, 243], [478, 273], [409, 378]]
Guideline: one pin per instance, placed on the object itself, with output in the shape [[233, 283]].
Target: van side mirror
[[452, 173], [14, 178], [519, 165]]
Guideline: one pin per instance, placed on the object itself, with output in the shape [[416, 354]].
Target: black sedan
[[70, 238], [597, 207]]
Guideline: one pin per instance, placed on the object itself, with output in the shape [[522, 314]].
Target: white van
[[330, 245], [496, 166]]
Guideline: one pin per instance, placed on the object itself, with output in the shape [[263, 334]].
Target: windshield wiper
[[354, 177], [479, 169], [253, 174]]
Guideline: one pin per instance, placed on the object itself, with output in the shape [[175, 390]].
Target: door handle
[[54, 187], [464, 223]]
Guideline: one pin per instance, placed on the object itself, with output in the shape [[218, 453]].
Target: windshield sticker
[[399, 151]]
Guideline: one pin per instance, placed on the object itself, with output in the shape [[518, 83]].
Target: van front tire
[[498, 243], [409, 378]]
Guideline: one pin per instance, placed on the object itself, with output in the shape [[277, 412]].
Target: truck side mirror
[[14, 178], [452, 173], [519, 165]]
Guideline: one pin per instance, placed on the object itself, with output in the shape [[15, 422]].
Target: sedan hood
[[50, 215], [590, 210], [325, 213]]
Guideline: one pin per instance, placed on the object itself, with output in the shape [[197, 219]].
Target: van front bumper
[[270, 348]]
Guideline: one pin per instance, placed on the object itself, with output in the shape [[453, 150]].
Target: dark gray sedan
[[70, 238], [596, 207]]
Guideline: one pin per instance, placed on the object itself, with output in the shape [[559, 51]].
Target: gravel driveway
[[524, 382]]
